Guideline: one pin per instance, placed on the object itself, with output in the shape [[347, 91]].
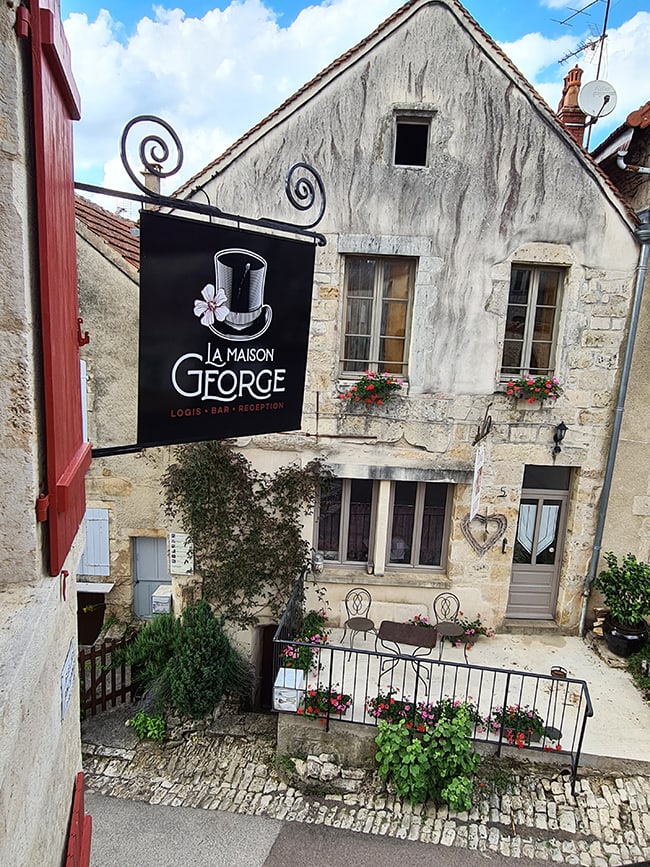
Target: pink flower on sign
[[213, 307]]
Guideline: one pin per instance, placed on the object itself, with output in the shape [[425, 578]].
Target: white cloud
[[624, 65], [211, 78], [556, 4], [534, 53]]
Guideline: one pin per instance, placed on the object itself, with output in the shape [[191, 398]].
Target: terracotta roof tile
[[641, 117], [116, 231]]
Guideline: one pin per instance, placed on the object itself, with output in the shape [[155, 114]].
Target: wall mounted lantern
[[317, 562], [558, 438]]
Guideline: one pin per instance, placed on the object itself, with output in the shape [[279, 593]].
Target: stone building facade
[[469, 240], [496, 193], [628, 516]]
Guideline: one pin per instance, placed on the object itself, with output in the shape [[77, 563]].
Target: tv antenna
[[597, 98]]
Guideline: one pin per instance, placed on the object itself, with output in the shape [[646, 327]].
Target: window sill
[[396, 577]]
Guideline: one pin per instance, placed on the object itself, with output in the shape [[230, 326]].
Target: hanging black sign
[[224, 328]]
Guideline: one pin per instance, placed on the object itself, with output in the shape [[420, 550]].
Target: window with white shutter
[[95, 559]]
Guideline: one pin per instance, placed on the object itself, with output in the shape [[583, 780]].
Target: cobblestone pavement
[[606, 824]]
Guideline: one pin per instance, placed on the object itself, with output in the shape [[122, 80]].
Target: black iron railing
[[377, 684]]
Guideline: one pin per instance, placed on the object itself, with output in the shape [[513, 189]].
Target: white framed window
[[531, 321], [418, 524], [95, 559], [417, 530], [378, 293], [345, 520]]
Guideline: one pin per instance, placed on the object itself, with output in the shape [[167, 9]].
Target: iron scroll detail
[[301, 191], [154, 152], [304, 186]]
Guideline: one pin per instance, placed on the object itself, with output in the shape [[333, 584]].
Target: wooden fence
[[104, 684]]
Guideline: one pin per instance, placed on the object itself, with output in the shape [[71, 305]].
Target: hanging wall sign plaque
[[483, 531], [224, 328]]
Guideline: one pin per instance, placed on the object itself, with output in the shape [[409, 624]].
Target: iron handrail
[[332, 659]]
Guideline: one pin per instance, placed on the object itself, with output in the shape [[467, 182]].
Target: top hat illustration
[[241, 274]]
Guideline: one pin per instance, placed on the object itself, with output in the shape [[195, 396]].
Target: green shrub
[[148, 726], [188, 664], [198, 670], [453, 761], [437, 764], [149, 654]]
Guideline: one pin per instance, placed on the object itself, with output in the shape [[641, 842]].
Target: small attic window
[[411, 141]]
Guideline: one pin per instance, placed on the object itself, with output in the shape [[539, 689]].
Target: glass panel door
[[537, 555]]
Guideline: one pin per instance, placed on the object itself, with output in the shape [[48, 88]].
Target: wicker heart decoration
[[483, 531]]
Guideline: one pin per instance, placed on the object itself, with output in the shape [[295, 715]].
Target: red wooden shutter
[[56, 104]]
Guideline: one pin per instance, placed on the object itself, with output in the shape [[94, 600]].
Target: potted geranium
[[474, 628], [321, 701], [626, 590], [372, 389], [385, 706], [314, 632], [534, 388], [520, 725]]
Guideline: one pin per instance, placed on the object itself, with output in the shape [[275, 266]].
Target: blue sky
[[504, 21], [213, 69]]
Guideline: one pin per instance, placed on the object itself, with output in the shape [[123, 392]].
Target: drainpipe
[[620, 162], [643, 234]]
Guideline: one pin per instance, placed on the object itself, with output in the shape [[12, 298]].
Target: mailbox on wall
[[289, 689], [161, 601]]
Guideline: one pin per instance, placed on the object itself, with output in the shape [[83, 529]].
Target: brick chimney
[[569, 113], [152, 182]]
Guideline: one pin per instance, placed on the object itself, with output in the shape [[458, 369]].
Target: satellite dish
[[597, 99]]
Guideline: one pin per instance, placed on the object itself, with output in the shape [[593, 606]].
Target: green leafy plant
[[320, 701], [147, 726], [246, 526], [532, 388], [625, 588], [453, 761], [520, 724], [403, 760], [439, 763], [373, 388]]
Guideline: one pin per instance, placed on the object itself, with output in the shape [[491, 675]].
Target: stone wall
[[467, 217], [40, 750], [628, 517]]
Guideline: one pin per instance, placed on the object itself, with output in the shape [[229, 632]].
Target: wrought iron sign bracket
[[303, 184]]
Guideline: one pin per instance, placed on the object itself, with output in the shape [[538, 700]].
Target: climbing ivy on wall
[[246, 526]]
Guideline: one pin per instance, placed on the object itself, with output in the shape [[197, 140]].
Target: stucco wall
[[628, 516], [39, 752], [503, 186], [127, 485]]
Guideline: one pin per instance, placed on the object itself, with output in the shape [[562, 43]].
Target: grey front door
[[149, 572], [537, 554]]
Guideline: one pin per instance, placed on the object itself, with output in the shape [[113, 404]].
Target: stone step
[[533, 627]]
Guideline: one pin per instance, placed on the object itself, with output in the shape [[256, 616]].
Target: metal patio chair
[[357, 607], [446, 607]]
